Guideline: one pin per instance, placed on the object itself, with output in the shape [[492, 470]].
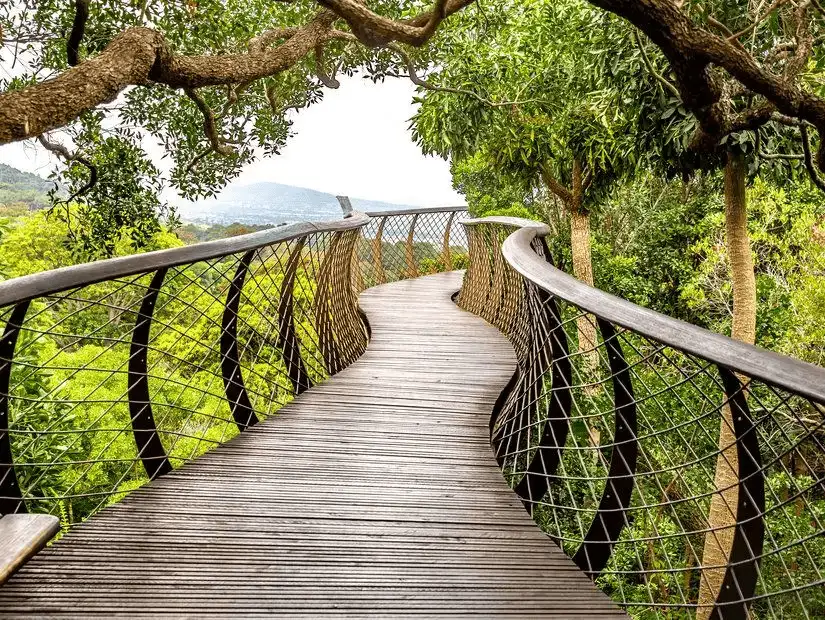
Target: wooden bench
[[22, 536]]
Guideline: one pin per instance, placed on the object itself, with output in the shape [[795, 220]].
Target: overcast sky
[[355, 142]]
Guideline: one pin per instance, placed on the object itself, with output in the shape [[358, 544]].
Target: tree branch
[[209, 126], [71, 158], [197, 158], [81, 16], [419, 81], [692, 52], [261, 42], [776, 4], [374, 30], [141, 56], [326, 79], [659, 77], [809, 160], [564, 194]]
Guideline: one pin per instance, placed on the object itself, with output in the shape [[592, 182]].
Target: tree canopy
[[212, 80]]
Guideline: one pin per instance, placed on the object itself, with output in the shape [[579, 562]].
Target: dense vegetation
[[72, 438]]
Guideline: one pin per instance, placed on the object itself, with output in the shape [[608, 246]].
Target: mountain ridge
[[267, 202], [261, 203]]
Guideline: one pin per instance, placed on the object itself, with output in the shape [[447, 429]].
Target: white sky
[[355, 142]]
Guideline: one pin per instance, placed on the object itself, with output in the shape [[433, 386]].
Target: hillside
[[17, 186], [258, 204], [273, 203]]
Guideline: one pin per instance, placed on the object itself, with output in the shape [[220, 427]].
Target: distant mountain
[[25, 187], [273, 203]]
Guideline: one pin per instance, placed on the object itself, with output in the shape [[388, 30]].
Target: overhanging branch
[[81, 16], [813, 173], [210, 128], [71, 158], [419, 81]]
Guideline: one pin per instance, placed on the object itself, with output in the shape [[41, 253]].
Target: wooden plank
[[21, 537], [375, 494]]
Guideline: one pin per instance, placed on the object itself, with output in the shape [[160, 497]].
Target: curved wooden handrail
[[541, 228], [418, 211], [800, 377], [66, 278]]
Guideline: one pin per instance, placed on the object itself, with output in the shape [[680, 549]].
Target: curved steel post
[[742, 573], [287, 338], [412, 268], [149, 446], [594, 552], [234, 387], [536, 480], [323, 307], [11, 497]]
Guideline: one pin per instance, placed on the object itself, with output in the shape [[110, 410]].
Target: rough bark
[[582, 263], [142, 56], [722, 515], [692, 50]]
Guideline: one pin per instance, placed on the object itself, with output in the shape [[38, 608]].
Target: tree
[[209, 80], [737, 130], [737, 65], [517, 86]]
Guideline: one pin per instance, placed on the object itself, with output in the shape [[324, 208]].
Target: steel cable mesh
[[614, 448], [115, 382], [407, 245]]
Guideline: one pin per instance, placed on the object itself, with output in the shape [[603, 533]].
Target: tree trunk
[[582, 263], [722, 516]]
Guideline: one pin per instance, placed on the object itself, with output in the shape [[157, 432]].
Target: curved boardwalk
[[374, 493]]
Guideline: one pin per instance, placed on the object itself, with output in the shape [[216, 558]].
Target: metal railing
[[115, 372], [682, 470], [396, 245]]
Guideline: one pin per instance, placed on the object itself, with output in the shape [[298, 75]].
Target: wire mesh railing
[[396, 245], [116, 372], [683, 471]]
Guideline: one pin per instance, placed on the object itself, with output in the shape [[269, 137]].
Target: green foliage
[[538, 56], [250, 119], [789, 257], [124, 204], [42, 240]]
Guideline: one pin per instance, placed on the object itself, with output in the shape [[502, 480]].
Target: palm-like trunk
[[582, 262], [722, 516]]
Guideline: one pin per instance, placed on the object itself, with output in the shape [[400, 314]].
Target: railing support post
[[287, 338], [378, 253], [742, 572], [11, 497], [149, 446], [445, 251], [412, 267], [611, 517], [234, 387]]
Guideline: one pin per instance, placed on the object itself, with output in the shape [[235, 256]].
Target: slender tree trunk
[[722, 516], [573, 200], [582, 262]]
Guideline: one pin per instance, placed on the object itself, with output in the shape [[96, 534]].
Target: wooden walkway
[[375, 493]]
